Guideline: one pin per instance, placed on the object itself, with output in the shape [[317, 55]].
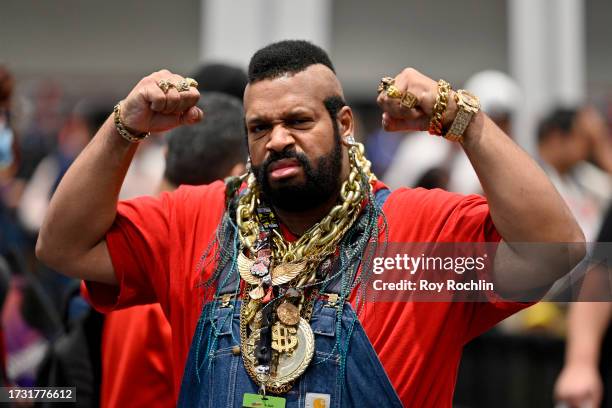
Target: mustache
[[286, 154]]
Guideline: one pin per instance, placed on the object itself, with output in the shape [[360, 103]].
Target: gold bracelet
[[122, 130], [435, 124]]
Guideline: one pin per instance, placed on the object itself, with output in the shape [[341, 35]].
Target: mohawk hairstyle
[[286, 57]]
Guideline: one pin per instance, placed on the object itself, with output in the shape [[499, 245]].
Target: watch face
[[469, 99]]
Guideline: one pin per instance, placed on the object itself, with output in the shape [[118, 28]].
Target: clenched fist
[[148, 109], [578, 386], [397, 117]]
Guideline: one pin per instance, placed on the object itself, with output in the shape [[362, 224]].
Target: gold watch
[[467, 105]]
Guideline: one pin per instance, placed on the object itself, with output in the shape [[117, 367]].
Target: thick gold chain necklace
[[264, 267], [321, 235]]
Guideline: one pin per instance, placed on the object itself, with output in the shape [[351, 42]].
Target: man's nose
[[280, 139]]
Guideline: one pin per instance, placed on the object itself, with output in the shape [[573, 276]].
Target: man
[[308, 210], [567, 139], [137, 342]]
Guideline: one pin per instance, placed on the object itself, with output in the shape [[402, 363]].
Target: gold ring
[[393, 92], [409, 100], [192, 82], [385, 83], [182, 85], [165, 85]]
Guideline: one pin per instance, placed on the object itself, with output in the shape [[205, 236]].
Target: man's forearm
[[84, 205], [524, 205]]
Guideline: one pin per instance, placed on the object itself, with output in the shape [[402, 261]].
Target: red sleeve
[[440, 216], [148, 239], [471, 222], [138, 246]]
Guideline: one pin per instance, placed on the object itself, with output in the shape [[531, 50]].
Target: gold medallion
[[290, 366], [288, 314], [284, 338]]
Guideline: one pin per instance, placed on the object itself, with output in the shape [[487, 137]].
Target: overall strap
[[228, 281]]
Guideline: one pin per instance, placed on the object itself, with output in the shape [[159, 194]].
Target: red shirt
[[156, 245], [137, 367]]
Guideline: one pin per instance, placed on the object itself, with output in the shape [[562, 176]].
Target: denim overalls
[[218, 378]]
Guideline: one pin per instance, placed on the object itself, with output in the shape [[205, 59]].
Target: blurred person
[[580, 382], [11, 237], [7, 134], [218, 77], [183, 248], [424, 161], [39, 138], [586, 377], [17, 350], [75, 133], [5, 279], [567, 138], [574, 150], [137, 361]]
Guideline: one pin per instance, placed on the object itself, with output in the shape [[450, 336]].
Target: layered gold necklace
[[277, 342]]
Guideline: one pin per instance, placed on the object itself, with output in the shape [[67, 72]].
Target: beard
[[322, 180]]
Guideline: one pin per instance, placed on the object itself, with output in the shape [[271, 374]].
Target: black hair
[[221, 78], [207, 151], [286, 57], [291, 57], [561, 119]]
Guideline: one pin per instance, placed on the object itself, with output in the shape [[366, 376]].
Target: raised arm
[[83, 208], [524, 205]]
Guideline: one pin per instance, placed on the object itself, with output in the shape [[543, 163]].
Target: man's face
[[294, 145]]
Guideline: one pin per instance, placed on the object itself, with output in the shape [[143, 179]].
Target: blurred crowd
[[41, 133]]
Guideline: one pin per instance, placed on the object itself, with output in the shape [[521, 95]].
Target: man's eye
[[302, 122], [259, 129]]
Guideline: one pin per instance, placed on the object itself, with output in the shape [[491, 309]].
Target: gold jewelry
[[290, 366], [385, 83], [467, 105], [409, 100], [122, 130], [295, 263], [288, 314], [435, 124], [182, 85], [165, 85], [393, 92], [320, 240], [192, 82]]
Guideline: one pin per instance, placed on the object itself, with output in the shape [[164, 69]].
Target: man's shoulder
[[417, 199], [423, 215], [215, 190], [206, 199]]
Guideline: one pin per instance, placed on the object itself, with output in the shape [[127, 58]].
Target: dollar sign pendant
[[284, 339]]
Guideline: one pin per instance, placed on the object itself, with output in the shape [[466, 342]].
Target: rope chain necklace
[[282, 277]]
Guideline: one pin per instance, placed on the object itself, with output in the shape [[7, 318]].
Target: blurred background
[[541, 67]]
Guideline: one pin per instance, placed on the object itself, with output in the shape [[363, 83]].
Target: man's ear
[[346, 122]]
